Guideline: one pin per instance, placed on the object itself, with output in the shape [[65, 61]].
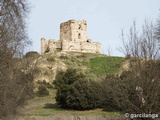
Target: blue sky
[[105, 19]]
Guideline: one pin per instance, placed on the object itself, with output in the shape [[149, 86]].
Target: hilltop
[[92, 64]]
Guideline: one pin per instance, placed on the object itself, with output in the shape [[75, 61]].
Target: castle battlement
[[73, 37]]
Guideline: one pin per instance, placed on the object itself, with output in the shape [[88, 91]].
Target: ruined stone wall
[[93, 47], [71, 45], [73, 37], [43, 45], [59, 45], [50, 45]]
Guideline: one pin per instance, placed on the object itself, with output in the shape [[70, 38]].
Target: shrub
[[47, 73], [63, 57], [51, 59], [42, 91], [74, 91], [82, 55], [44, 83], [32, 54]]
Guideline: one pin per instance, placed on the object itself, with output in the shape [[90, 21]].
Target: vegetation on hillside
[[106, 65], [74, 91], [138, 89]]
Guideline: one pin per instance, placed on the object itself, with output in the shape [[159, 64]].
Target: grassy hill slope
[[93, 65]]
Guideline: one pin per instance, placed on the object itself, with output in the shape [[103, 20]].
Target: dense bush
[[75, 92], [42, 91], [32, 54]]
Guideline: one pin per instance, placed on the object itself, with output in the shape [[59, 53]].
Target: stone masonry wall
[[72, 30]]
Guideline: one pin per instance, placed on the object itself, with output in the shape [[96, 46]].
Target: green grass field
[[105, 65], [99, 66]]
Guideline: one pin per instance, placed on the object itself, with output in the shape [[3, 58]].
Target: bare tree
[[157, 32], [157, 26], [15, 79], [142, 44], [138, 89], [13, 35]]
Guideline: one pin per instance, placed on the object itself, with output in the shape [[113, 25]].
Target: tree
[[144, 44], [158, 28], [76, 92], [16, 80], [13, 37], [138, 89], [157, 32]]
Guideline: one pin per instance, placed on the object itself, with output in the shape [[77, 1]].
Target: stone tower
[[73, 30], [73, 37]]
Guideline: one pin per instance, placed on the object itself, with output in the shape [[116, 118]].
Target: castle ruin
[[73, 37]]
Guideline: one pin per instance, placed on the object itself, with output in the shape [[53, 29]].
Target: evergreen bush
[[74, 91]]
